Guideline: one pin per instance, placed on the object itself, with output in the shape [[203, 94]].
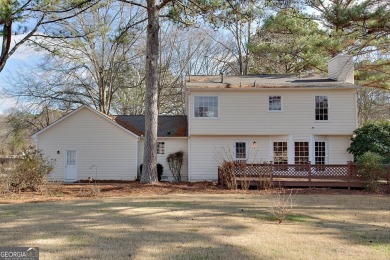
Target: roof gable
[[101, 115]]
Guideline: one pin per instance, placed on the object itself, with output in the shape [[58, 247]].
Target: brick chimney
[[340, 68]]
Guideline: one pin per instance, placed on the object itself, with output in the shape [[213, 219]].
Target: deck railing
[[300, 172]]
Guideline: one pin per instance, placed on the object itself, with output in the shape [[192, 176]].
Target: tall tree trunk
[[7, 32], [149, 169], [239, 46], [247, 51]]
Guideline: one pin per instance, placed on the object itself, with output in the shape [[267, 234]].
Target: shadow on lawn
[[358, 219], [112, 230], [169, 228]]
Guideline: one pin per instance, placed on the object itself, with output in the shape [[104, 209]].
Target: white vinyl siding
[[172, 145], [341, 68], [208, 151], [337, 149], [97, 141], [246, 113]]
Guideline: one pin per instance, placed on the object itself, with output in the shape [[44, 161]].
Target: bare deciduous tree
[[373, 105], [32, 17], [91, 65]]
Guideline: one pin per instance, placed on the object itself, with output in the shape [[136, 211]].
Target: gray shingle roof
[[168, 126], [263, 81]]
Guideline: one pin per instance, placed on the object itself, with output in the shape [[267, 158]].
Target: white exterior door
[[70, 165]]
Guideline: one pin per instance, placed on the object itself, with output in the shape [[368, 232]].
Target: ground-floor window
[[320, 152], [280, 153], [301, 153], [160, 147], [240, 150]]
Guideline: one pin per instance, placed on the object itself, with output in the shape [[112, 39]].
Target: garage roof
[[168, 126]]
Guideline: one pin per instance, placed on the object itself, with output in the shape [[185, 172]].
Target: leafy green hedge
[[372, 137]]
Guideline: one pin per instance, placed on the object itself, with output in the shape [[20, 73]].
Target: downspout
[[189, 158], [189, 134], [136, 157]]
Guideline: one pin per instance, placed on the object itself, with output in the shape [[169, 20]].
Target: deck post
[[309, 172], [219, 176], [271, 173], [349, 174]]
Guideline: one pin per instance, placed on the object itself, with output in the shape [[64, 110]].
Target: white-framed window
[[206, 106], [160, 147], [320, 152], [280, 153], [301, 155], [240, 151], [321, 108], [274, 103]]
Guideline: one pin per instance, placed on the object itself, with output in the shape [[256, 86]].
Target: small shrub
[[5, 168], [264, 174], [54, 188], [227, 175], [370, 167], [282, 204], [31, 172], [241, 174], [89, 191], [242, 167], [4, 184], [175, 162]]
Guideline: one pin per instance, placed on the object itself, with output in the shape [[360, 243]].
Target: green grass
[[202, 226]]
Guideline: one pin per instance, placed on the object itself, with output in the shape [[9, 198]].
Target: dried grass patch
[[202, 226]]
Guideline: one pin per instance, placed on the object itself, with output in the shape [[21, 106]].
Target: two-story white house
[[280, 118]]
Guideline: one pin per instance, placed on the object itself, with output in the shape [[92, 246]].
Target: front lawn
[[202, 226]]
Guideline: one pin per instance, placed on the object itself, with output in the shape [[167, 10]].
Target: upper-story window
[[205, 106], [274, 103], [321, 109]]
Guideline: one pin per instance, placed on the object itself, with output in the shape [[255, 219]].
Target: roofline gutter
[[168, 137], [210, 89]]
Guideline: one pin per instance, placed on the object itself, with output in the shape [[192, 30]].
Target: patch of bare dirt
[[64, 192]]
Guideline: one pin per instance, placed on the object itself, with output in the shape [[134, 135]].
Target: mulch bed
[[102, 189]]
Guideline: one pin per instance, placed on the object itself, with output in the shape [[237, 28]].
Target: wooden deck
[[294, 175]]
